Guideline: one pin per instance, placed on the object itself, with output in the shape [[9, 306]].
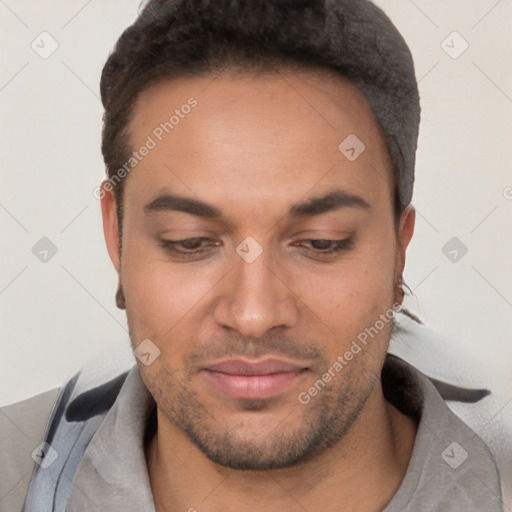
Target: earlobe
[[110, 222], [405, 232], [120, 300]]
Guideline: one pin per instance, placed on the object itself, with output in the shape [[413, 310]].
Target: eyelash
[[170, 246], [337, 246]]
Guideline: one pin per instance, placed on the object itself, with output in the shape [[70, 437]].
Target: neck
[[372, 457]]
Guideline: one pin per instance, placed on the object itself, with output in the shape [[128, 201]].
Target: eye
[[326, 246], [202, 246], [189, 246]]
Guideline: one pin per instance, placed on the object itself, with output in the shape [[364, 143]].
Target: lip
[[256, 380]]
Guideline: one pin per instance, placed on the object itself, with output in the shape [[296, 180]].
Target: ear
[[110, 222], [405, 232]]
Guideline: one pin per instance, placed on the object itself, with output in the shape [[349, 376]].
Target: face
[[256, 254]]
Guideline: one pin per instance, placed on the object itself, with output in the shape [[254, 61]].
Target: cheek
[[161, 296], [351, 298], [362, 280]]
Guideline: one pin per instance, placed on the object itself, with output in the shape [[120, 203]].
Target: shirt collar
[[113, 473], [450, 468]]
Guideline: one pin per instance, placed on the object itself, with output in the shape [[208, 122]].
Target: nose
[[255, 297]]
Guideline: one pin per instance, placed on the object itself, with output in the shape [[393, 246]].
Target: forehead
[[257, 139]]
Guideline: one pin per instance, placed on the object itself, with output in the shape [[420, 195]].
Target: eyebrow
[[332, 201]]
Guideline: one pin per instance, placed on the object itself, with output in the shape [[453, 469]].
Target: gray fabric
[[112, 475], [438, 478], [21, 429], [445, 360]]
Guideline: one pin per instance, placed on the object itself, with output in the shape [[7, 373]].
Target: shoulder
[[22, 427], [89, 393], [468, 389]]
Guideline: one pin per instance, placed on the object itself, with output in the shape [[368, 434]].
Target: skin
[[253, 147]]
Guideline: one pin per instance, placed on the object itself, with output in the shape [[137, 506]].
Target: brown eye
[[191, 243], [322, 244], [194, 248], [327, 247]]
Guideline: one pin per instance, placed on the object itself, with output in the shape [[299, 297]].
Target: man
[[261, 162]]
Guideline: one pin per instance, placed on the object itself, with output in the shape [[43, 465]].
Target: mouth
[[254, 380]]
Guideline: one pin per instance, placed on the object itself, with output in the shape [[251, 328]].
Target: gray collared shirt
[[451, 469]]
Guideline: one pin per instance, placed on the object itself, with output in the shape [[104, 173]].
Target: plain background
[[56, 315]]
